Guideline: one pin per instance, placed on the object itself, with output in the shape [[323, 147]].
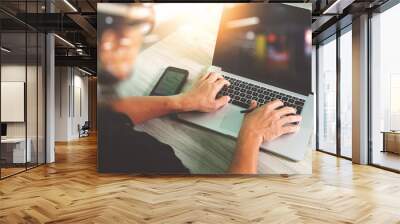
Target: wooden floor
[[71, 191], [5, 172]]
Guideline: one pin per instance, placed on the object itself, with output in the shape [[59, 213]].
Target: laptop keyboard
[[242, 93]]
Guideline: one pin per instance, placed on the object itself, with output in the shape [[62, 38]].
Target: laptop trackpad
[[232, 121]]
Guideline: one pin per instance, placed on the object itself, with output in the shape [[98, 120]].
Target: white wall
[[16, 73], [33, 127], [61, 103], [10, 73], [71, 94], [80, 104]]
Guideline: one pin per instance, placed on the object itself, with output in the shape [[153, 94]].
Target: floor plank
[[71, 191]]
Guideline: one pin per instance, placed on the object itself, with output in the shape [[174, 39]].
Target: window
[[385, 89], [327, 96], [22, 75], [314, 81], [346, 93]]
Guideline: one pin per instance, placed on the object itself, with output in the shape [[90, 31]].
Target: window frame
[[334, 37], [381, 9], [31, 30]]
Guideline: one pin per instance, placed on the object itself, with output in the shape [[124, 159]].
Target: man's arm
[[245, 160], [263, 124], [202, 97], [143, 108]]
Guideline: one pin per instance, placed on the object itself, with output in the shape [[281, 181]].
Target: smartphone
[[171, 82]]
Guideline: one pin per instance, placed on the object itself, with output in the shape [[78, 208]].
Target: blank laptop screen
[[269, 43]]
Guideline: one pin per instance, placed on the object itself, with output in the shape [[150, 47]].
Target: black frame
[[334, 37], [328, 39], [43, 53]]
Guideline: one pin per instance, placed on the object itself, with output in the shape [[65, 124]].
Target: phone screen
[[170, 83]]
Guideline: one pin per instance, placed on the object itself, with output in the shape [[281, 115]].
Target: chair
[[84, 130]]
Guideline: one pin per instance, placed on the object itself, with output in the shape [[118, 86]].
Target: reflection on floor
[[346, 152], [387, 159], [9, 170]]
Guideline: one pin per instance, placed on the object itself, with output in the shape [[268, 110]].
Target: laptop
[[264, 51]]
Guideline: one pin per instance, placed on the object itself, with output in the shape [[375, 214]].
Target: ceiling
[[76, 24]]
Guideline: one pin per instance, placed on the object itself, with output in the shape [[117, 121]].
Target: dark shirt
[[122, 149]]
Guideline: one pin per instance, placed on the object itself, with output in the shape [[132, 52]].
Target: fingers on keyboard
[[242, 93]]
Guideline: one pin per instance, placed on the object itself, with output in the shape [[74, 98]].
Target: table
[[13, 150], [201, 151], [391, 141]]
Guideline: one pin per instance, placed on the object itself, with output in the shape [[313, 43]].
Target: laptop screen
[[269, 43]]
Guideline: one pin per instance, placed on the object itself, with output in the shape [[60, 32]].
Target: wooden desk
[[202, 151], [13, 150], [391, 141]]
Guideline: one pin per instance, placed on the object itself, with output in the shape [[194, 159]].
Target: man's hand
[[268, 122], [202, 96], [263, 124]]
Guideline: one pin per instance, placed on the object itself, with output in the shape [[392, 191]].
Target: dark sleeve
[[122, 149]]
